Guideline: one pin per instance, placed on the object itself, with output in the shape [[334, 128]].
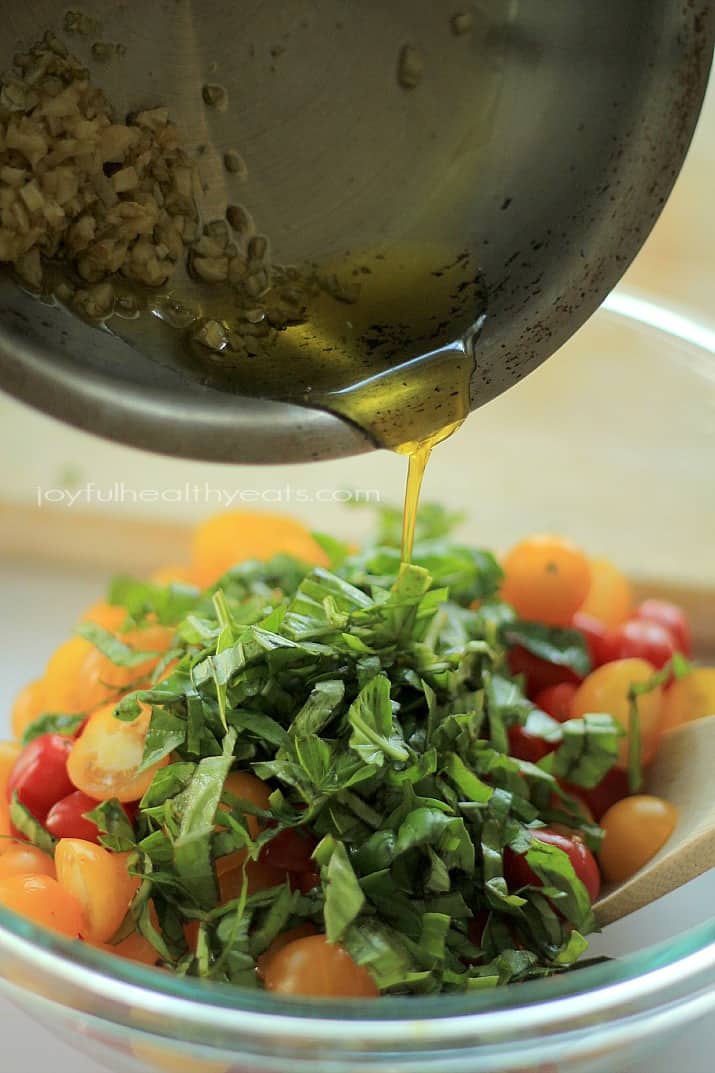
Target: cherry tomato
[[634, 830], [556, 700], [300, 931], [105, 759], [40, 776], [609, 598], [690, 697], [246, 787], [476, 926], [9, 753], [594, 633], [526, 746], [6, 829], [518, 873], [314, 967], [612, 787], [672, 617], [291, 850], [606, 690], [21, 859], [304, 881], [100, 882], [63, 683], [259, 876], [226, 539], [66, 818], [546, 578], [29, 703], [638, 638], [538, 673], [109, 616], [100, 681], [174, 575], [42, 900], [134, 948]]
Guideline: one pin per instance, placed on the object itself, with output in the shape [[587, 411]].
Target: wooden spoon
[[682, 773]]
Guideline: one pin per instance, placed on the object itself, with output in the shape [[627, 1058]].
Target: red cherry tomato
[[476, 926], [66, 818], [672, 617], [612, 787], [304, 881], [527, 746], [640, 639], [518, 873], [290, 851], [539, 674], [556, 700], [594, 632], [39, 775]]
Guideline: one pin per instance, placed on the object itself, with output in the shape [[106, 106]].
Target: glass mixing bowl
[[613, 441]]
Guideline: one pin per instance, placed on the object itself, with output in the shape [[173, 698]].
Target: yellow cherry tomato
[[42, 900], [546, 578], [29, 703], [109, 616], [105, 758], [635, 829], [174, 574], [606, 690], [101, 681], [688, 698], [100, 882], [609, 597], [314, 967], [22, 859], [63, 676], [9, 752], [226, 539]]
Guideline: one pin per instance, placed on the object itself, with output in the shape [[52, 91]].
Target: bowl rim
[[678, 973]]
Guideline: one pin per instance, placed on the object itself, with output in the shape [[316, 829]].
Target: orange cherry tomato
[[134, 948], [6, 830], [9, 752], [29, 703], [109, 616], [63, 676], [22, 859], [102, 682], [247, 787], [546, 578], [104, 759], [314, 967], [100, 882], [174, 575], [300, 931], [42, 900], [690, 697], [610, 596], [635, 828], [226, 539], [606, 690]]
